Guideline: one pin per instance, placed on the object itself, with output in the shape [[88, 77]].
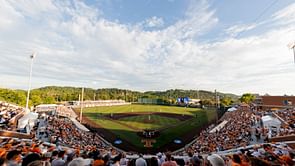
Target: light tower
[[292, 46], [30, 80], [81, 105]]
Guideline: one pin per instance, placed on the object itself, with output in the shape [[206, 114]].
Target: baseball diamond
[[125, 122]]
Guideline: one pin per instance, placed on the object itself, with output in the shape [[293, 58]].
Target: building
[[275, 102]]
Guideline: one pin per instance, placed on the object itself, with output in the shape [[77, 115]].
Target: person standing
[[140, 161], [13, 158], [169, 161], [59, 161]]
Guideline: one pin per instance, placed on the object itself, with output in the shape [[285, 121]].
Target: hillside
[[55, 94]]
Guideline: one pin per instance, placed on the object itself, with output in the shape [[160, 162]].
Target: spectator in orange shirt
[[98, 161], [169, 161]]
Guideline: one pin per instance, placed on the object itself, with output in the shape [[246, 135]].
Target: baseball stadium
[[147, 83]]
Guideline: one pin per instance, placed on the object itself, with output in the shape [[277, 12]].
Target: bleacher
[[227, 143], [9, 114]]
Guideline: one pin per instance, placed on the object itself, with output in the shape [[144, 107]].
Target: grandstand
[[239, 137], [98, 103], [9, 114]]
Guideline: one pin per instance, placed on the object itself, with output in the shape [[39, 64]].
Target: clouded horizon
[[233, 47]]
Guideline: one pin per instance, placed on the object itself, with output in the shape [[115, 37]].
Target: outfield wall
[[100, 103]]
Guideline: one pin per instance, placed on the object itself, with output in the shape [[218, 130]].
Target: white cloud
[[286, 15], [154, 22], [238, 29], [32, 8], [77, 46], [9, 16], [199, 19]]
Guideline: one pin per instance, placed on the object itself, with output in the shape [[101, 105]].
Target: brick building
[[275, 102]]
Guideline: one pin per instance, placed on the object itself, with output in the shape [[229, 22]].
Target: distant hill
[[56, 94]]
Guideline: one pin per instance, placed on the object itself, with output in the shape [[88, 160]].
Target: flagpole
[[30, 81]]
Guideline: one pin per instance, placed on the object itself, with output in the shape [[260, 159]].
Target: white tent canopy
[[46, 107], [271, 122], [28, 118], [232, 109]]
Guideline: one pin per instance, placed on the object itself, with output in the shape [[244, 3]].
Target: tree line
[[56, 94]]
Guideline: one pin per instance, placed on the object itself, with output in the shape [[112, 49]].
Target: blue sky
[[231, 46]]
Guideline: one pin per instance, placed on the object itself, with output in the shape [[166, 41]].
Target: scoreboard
[[183, 100]]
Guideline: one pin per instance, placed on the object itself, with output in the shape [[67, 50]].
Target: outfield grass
[[174, 128], [143, 121], [177, 131]]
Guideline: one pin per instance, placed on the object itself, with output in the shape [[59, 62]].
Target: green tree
[[20, 98], [53, 94], [226, 101], [49, 100], [36, 100], [207, 102], [247, 98]]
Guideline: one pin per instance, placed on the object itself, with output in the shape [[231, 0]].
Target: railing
[[12, 134], [13, 121], [230, 151], [281, 119]]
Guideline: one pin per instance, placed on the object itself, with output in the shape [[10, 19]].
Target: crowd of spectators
[[259, 155], [17, 152], [66, 112], [235, 133], [241, 127], [7, 112], [288, 115], [62, 131]]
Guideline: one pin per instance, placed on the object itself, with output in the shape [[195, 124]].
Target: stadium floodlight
[[81, 105], [30, 80], [198, 91], [292, 46]]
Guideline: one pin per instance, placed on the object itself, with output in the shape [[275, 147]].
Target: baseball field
[[126, 123]]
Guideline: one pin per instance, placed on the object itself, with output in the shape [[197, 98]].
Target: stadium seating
[[235, 133], [9, 115], [264, 154], [232, 142], [288, 115]]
